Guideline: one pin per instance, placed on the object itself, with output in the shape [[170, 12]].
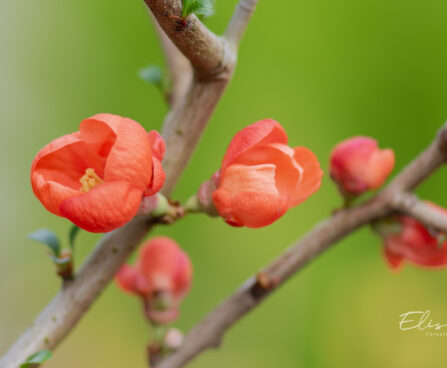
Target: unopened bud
[[162, 206]]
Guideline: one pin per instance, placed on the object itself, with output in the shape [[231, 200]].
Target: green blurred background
[[326, 70]]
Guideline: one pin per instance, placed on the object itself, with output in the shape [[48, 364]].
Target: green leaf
[[201, 8], [37, 359], [152, 74], [48, 238], [72, 235]]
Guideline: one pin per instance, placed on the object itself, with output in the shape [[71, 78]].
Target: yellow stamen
[[89, 180]]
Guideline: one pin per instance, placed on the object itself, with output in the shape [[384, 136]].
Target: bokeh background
[[326, 70]]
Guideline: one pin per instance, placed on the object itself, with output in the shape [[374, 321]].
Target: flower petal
[[50, 193], [243, 178], [157, 144], [130, 157], [57, 168], [247, 195], [287, 171], [158, 178], [165, 266], [394, 260], [380, 166], [427, 255], [126, 278], [312, 175], [104, 208], [251, 209], [64, 160], [98, 135], [262, 132], [130, 280]]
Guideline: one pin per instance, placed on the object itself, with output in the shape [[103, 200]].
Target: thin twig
[[238, 23], [209, 332], [179, 67]]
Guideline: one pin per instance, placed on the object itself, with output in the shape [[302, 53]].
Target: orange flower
[[261, 177], [415, 243], [97, 177], [357, 165], [161, 277]]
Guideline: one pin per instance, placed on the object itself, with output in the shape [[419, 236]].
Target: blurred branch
[[209, 332], [214, 65], [410, 205], [239, 22], [179, 67], [70, 304]]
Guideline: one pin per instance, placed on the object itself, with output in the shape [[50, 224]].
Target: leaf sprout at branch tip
[[201, 8], [48, 238], [152, 74]]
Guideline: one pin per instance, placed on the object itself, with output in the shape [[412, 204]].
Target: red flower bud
[[415, 243], [96, 177], [161, 277], [358, 165], [262, 177]]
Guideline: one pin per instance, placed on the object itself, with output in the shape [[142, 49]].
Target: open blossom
[[415, 243], [261, 177], [357, 165], [96, 177], [161, 276]]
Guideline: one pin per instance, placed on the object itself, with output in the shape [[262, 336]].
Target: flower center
[[89, 180]]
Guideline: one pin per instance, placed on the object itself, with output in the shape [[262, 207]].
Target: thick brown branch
[[208, 333], [203, 48]]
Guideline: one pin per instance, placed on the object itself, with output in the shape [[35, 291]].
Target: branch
[[70, 304], [410, 205], [179, 67], [209, 332], [202, 47], [186, 122], [183, 126], [239, 22]]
